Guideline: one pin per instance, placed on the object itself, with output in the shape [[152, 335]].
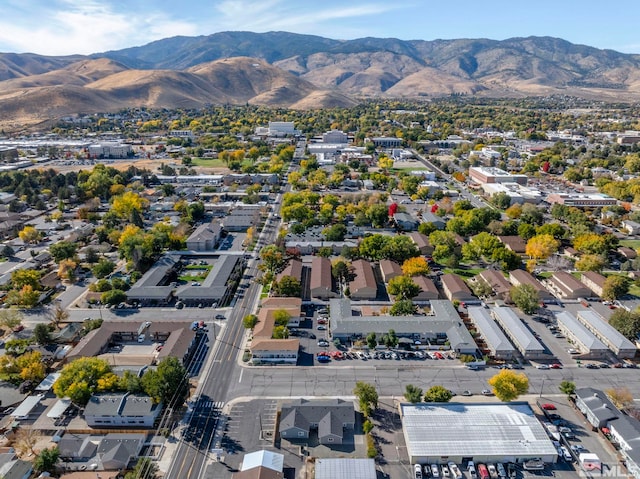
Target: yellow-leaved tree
[[542, 246], [508, 385]]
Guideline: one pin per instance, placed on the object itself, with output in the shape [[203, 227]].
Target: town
[[437, 289]]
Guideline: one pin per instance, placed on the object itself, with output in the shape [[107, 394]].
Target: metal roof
[[490, 331], [351, 468], [569, 322], [468, 430], [605, 331], [517, 331]]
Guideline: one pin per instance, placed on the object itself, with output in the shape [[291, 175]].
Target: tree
[[412, 393], [280, 332], [42, 334], [67, 269], [114, 296], [437, 394], [30, 235], [288, 286], [26, 440], [103, 268], [127, 203], [367, 397], [144, 469], [168, 383], [26, 277], [403, 287], [541, 246], [58, 315], [250, 321], [47, 460], [79, 380], [590, 262], [615, 287], [417, 266], [525, 297], [63, 250], [335, 232], [272, 258], [508, 385], [372, 340], [10, 319], [567, 387], [626, 322], [7, 251], [403, 307], [591, 243], [620, 397]]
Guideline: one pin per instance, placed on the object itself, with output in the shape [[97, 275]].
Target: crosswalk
[[209, 404]]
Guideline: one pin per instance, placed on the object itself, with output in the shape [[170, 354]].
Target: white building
[[282, 128]]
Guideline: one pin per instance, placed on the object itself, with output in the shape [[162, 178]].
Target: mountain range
[[305, 71]]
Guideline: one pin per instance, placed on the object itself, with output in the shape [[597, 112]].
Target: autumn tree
[[525, 297], [412, 393], [626, 322], [437, 394], [417, 266], [508, 385], [590, 243], [273, 258], [621, 397], [79, 379], [590, 262], [67, 270], [615, 287], [29, 235], [26, 440], [542, 246], [250, 321], [567, 387], [127, 204]]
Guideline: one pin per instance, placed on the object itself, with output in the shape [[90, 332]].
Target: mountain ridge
[[306, 71]]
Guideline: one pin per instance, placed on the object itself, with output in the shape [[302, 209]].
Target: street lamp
[[541, 387]]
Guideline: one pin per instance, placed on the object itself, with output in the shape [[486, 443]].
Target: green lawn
[[634, 290], [215, 162], [467, 273], [635, 244]]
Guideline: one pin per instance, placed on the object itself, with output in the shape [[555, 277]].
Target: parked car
[[512, 471], [543, 366], [446, 474], [417, 471], [556, 366], [467, 393], [435, 472], [493, 472], [220, 316], [501, 470], [321, 327], [590, 366], [471, 467], [455, 470], [548, 406], [487, 392]]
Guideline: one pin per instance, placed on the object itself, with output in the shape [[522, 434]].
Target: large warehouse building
[[483, 432]]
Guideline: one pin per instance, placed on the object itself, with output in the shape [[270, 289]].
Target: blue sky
[[59, 27]]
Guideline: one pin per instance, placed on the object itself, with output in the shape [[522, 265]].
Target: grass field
[[635, 244], [208, 162]]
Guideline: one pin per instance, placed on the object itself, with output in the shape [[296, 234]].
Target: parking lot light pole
[[541, 387]]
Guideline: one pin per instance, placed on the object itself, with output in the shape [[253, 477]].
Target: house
[[205, 237], [240, 219], [132, 410], [596, 407], [293, 269], [455, 289], [594, 281], [274, 351], [321, 281], [422, 242], [364, 284], [428, 289], [627, 253], [496, 280], [631, 227], [389, 269], [520, 276], [13, 468], [514, 243], [565, 285], [435, 220], [261, 465], [406, 222], [116, 451], [331, 418]]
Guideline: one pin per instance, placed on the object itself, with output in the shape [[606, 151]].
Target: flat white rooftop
[[472, 430]]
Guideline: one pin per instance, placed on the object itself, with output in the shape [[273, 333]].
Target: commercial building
[[282, 128], [596, 407], [274, 351], [610, 336], [261, 465], [565, 285], [110, 151], [364, 284], [437, 433], [581, 200], [386, 142], [594, 281], [441, 326], [335, 137], [583, 339], [321, 280], [332, 468], [518, 333], [455, 289], [497, 343], [520, 276], [488, 174]]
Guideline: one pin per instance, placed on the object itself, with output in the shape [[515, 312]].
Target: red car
[[556, 366], [548, 407]]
